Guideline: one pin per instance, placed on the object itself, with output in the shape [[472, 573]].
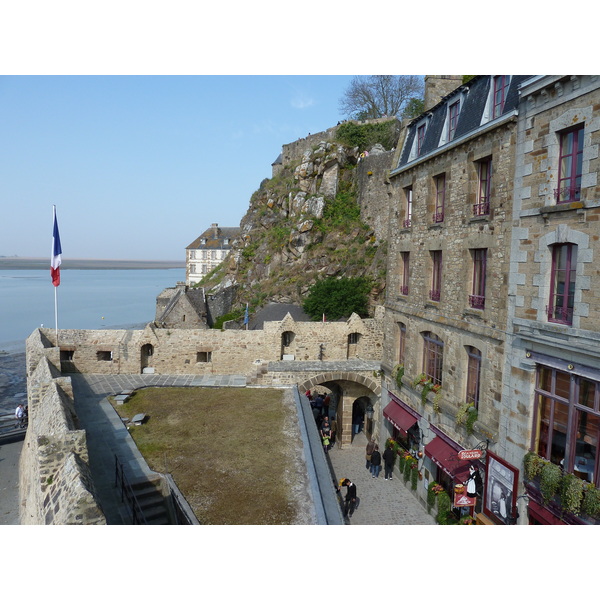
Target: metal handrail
[[128, 495]]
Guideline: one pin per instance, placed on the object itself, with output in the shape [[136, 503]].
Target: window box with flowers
[[467, 415]]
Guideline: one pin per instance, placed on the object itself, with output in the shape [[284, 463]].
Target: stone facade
[[545, 340]]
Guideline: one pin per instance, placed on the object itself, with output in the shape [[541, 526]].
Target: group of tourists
[[326, 424], [374, 459]]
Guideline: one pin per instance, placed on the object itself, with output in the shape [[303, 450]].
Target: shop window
[[570, 166], [204, 357], [562, 283], [484, 187], [567, 421], [473, 375], [477, 298], [436, 277], [104, 355], [433, 357]]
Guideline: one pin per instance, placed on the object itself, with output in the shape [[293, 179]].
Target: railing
[[406, 223], [560, 314], [477, 301], [10, 427], [567, 194], [404, 290], [438, 216], [483, 208], [127, 495], [434, 295]]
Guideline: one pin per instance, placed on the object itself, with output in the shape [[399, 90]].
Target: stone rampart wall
[[230, 352], [55, 485]]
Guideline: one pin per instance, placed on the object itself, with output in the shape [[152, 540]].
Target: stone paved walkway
[[381, 502]]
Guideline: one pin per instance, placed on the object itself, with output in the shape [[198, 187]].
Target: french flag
[[55, 259]]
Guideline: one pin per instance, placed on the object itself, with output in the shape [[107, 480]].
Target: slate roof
[[474, 95], [276, 312], [215, 242]]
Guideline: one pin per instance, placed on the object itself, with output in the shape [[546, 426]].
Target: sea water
[[85, 299]]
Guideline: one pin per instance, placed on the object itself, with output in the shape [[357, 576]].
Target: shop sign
[[474, 454]]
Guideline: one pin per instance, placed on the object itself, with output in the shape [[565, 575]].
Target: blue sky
[[139, 166]]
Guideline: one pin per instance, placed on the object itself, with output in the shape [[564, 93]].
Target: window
[[433, 355], [104, 355], [567, 421], [436, 278], [420, 138], [66, 355], [562, 283], [353, 338], [453, 112], [204, 357], [473, 375], [401, 342], [408, 210], [287, 338], [440, 198], [405, 258], [484, 176], [500, 90], [569, 166], [477, 298]]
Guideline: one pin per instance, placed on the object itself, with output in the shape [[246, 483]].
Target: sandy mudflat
[[88, 263]]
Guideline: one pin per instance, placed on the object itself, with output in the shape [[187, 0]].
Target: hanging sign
[[474, 454]]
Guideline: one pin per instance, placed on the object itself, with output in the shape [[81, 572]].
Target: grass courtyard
[[233, 452]]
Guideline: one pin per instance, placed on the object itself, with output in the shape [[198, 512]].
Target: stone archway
[[351, 386]]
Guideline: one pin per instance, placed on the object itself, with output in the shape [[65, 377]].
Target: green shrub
[[338, 298]]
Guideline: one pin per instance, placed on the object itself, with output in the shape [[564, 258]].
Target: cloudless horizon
[[139, 166]]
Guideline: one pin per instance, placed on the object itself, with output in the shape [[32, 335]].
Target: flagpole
[[56, 315], [55, 260]]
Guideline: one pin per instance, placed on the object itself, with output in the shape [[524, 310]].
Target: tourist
[[389, 457], [326, 402], [20, 416], [333, 431], [350, 500], [375, 462], [369, 451], [326, 434]]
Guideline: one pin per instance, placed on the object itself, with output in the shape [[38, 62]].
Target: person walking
[[375, 462], [389, 457], [369, 452], [19, 415], [333, 431], [350, 500], [326, 434]]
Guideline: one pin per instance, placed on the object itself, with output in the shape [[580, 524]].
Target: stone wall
[[55, 485], [177, 351]]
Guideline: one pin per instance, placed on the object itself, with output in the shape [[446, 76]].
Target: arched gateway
[[345, 389]]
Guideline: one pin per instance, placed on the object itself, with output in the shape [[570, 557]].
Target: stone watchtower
[[438, 86]]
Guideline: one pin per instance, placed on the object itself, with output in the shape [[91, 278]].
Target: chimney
[[216, 230], [438, 86]]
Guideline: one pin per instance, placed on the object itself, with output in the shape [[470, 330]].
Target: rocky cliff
[[324, 213]]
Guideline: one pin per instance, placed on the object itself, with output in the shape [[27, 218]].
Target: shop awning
[[398, 417], [446, 457]]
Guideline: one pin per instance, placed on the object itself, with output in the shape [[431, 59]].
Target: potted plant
[[467, 415], [398, 375], [590, 504], [549, 481], [571, 493], [532, 465]]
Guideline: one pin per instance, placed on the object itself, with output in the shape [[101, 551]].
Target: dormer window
[[420, 138], [203, 241], [453, 112], [500, 84]]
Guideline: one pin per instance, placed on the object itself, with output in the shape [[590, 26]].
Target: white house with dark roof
[[207, 251]]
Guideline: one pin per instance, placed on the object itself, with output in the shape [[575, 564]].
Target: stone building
[[491, 296], [448, 268], [208, 251], [182, 307], [551, 387]]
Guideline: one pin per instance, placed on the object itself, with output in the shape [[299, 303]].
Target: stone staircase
[[151, 501]]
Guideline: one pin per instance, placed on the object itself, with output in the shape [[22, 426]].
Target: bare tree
[[374, 96]]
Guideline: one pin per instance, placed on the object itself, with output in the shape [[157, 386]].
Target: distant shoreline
[[16, 263]]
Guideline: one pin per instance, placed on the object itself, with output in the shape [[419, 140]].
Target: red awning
[[398, 417], [446, 457]]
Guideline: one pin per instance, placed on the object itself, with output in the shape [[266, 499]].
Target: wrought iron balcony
[[406, 223], [438, 216], [477, 301], [434, 295], [567, 194], [483, 208]]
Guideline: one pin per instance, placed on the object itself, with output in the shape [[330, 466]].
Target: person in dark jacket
[[350, 500], [389, 457], [375, 462], [369, 451]]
